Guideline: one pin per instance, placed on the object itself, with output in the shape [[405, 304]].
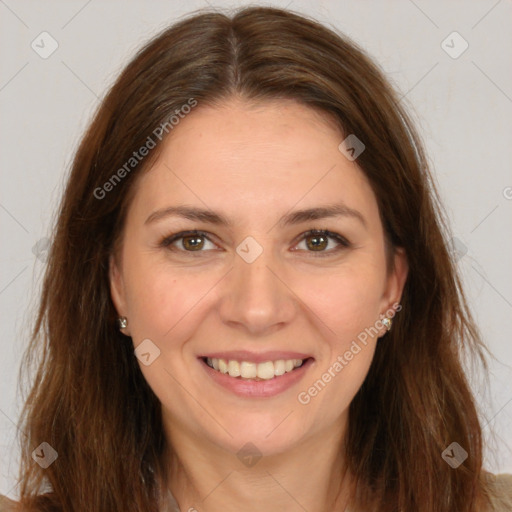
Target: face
[[218, 266]]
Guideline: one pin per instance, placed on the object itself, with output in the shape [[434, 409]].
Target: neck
[[309, 476]]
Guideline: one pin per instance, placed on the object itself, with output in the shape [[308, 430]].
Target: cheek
[[334, 386], [162, 299], [347, 300], [348, 304]]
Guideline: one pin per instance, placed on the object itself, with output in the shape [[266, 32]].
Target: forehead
[[254, 158]]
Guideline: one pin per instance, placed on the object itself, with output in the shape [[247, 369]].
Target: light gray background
[[462, 107]]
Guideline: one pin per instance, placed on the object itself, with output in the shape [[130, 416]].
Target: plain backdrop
[[461, 101]]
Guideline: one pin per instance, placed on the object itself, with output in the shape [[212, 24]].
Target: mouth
[[252, 375], [255, 371]]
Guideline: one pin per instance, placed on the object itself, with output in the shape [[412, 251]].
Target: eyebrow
[[289, 219]]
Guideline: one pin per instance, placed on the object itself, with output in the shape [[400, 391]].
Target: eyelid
[[341, 240], [343, 243], [168, 240]]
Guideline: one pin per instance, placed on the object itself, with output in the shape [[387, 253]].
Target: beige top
[[501, 488]]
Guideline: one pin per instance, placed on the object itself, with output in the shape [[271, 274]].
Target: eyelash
[[342, 241]]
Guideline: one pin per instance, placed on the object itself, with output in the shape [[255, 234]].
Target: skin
[[254, 164]]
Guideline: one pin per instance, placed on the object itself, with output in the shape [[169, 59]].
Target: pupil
[[193, 242], [318, 242]]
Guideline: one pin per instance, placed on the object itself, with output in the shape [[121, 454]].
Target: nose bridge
[[256, 297]]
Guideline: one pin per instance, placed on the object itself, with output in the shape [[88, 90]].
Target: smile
[[249, 370], [255, 379]]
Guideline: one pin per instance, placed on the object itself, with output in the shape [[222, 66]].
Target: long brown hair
[[89, 400]]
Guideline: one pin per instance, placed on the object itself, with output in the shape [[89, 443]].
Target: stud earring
[[122, 321], [387, 322]]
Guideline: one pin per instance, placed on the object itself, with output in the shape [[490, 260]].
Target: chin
[[269, 433]]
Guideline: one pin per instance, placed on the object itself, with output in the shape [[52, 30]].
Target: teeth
[[279, 367], [234, 369], [266, 370], [247, 370], [223, 366]]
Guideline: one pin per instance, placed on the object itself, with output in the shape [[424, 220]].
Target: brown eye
[[193, 242], [322, 242], [188, 241], [317, 242]]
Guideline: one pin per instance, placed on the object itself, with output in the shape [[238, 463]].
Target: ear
[[396, 279], [117, 290]]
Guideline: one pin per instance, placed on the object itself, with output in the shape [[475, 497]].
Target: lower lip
[[258, 389]]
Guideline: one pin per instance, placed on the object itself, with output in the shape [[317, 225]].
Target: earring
[[122, 321], [387, 322]]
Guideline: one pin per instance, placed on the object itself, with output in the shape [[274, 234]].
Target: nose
[[258, 296]]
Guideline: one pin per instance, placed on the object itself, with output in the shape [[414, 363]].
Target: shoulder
[[7, 505], [500, 492]]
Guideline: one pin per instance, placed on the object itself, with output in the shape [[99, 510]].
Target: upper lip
[[255, 357]]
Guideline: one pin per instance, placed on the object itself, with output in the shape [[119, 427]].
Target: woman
[[249, 302]]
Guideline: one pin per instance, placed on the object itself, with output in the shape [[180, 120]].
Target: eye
[[188, 241], [319, 241]]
